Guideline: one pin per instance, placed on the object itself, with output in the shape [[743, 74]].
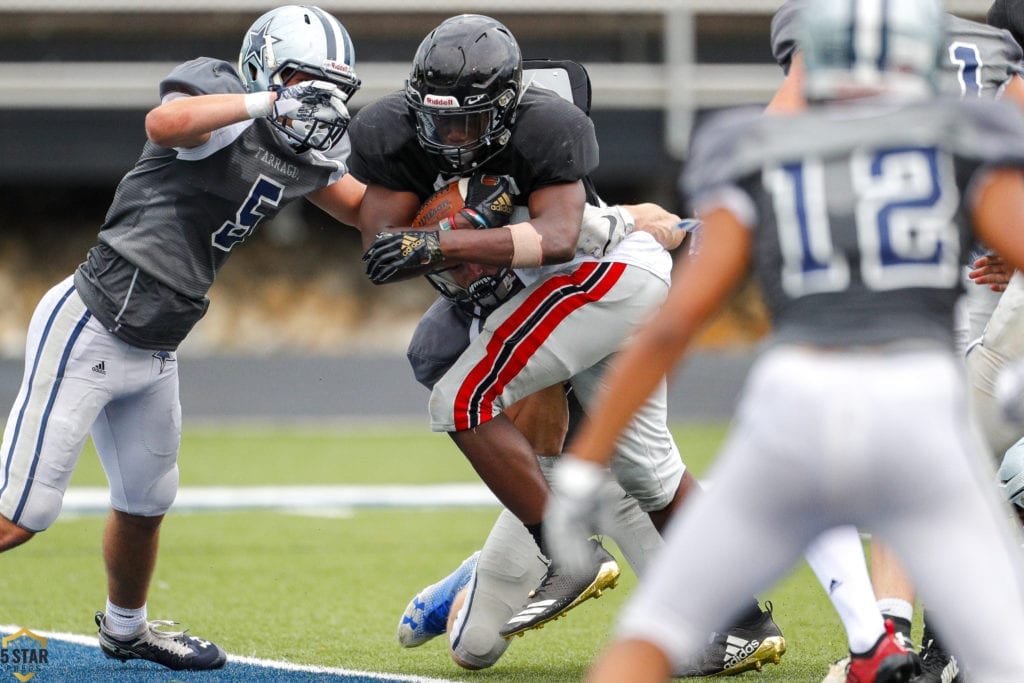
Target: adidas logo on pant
[[100, 368]]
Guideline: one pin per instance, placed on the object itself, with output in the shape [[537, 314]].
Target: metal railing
[[679, 85]]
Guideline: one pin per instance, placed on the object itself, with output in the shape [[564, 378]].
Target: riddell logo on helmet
[[440, 101], [333, 65]]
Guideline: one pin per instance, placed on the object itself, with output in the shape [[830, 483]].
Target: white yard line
[[92, 500]]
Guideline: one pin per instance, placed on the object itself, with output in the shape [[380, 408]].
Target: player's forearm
[[188, 121]]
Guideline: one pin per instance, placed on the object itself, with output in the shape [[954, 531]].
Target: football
[[443, 203]]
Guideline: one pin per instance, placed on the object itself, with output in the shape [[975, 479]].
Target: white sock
[[121, 621], [894, 607], [837, 559]]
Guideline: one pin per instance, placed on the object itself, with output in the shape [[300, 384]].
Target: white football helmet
[[863, 47], [307, 39]]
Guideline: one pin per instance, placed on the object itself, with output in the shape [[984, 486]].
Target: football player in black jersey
[[462, 112], [465, 113]]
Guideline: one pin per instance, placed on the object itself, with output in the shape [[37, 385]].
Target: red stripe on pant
[[477, 386]]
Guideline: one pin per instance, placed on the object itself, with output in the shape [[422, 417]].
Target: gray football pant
[[509, 567]]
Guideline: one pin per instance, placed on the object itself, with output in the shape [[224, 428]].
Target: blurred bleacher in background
[[76, 77]]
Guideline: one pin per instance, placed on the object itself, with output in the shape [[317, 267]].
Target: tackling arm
[[342, 200], [187, 121]]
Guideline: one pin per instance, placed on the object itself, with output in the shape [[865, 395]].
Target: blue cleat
[[426, 615]]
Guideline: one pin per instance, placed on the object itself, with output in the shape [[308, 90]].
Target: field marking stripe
[[96, 499], [241, 659]]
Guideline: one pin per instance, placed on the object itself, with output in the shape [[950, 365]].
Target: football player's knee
[[41, 511], [479, 647], [12, 535], [1011, 473], [156, 499], [650, 493]]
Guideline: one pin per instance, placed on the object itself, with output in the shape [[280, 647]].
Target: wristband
[[526, 247], [474, 218], [259, 104], [447, 223]]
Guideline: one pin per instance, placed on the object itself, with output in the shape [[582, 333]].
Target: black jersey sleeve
[[554, 140], [384, 148], [202, 76]]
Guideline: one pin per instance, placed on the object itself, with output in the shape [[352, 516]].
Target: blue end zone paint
[[74, 659]]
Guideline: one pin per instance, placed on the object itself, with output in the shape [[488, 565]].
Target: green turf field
[[329, 589]]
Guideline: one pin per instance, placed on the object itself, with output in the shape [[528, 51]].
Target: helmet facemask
[[475, 289]]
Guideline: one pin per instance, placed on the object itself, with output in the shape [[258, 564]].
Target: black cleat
[[558, 593], [742, 648], [174, 649], [937, 664]]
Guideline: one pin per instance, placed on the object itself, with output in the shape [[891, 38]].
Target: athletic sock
[[538, 536], [121, 621], [896, 608]]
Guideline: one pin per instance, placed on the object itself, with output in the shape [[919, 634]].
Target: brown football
[[443, 203]]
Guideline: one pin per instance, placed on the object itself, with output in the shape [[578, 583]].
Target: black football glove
[[488, 200], [395, 255]]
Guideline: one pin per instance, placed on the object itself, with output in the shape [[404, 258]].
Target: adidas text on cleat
[[174, 649], [559, 592], [426, 615], [742, 648], [888, 661]]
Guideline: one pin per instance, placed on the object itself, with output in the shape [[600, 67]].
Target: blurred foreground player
[[855, 216]]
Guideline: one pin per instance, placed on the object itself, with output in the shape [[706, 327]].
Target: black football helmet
[[463, 91]]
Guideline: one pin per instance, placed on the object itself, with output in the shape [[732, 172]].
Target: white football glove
[[1010, 392], [603, 228], [311, 101], [575, 513]]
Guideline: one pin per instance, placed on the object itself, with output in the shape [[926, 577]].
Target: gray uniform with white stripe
[[855, 415], [100, 351]]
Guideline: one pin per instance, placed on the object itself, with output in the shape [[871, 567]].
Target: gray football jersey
[[979, 60], [179, 213], [860, 212]]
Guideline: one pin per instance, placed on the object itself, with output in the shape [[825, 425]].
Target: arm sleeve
[[202, 76]]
